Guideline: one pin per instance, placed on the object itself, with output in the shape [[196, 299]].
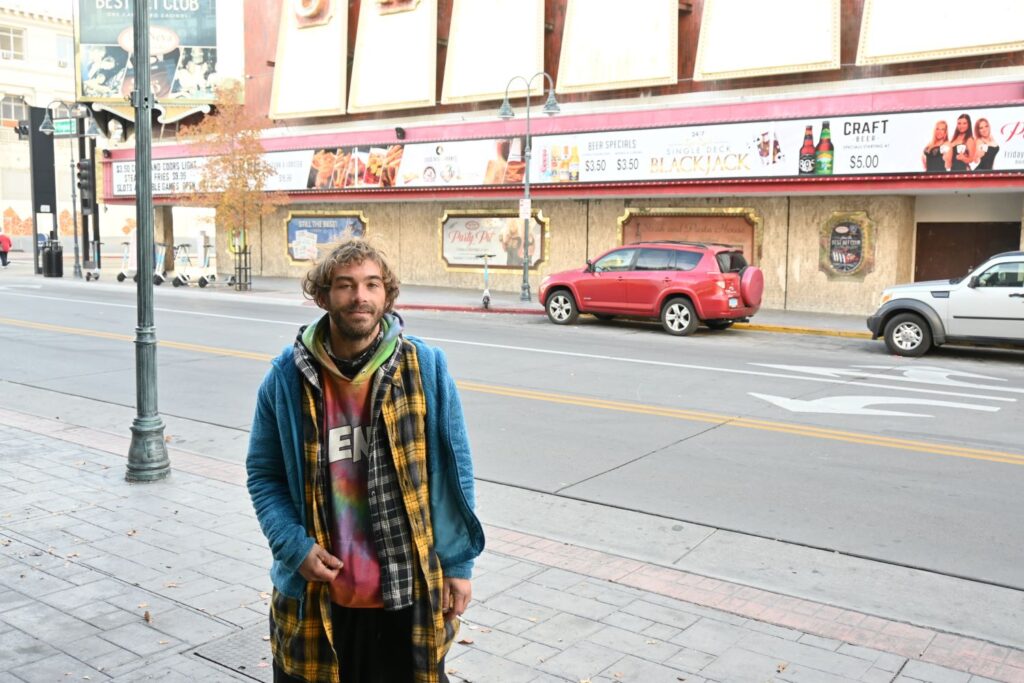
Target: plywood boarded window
[[610, 44], [311, 66], [742, 38], [395, 63], [490, 43], [894, 31]]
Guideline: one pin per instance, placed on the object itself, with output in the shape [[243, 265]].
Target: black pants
[[373, 646], [3, 258]]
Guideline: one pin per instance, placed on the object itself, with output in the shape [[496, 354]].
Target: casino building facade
[[803, 131]]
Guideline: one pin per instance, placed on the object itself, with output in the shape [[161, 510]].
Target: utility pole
[[147, 455]]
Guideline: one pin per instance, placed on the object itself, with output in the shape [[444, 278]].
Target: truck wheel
[[907, 334]]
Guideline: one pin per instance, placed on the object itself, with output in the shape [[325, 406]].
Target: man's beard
[[356, 330]]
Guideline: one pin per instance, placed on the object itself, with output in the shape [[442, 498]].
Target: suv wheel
[[678, 317], [561, 308], [907, 334]]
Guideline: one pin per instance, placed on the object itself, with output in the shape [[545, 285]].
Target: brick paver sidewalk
[[101, 580]]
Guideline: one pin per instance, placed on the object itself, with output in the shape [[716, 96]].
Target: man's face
[[355, 302]]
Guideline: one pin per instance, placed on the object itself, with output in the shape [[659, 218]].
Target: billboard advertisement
[[969, 141], [186, 45]]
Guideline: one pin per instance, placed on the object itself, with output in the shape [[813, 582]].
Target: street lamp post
[[550, 108], [76, 112], [147, 454]]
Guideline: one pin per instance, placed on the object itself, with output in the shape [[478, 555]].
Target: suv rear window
[[654, 259], [687, 260], [731, 261]]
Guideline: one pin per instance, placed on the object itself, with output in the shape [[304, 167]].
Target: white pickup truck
[[985, 306]]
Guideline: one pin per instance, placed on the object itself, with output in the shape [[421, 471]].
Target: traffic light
[[86, 183]]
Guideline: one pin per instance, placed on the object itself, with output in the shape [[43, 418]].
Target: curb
[[754, 327], [467, 309]]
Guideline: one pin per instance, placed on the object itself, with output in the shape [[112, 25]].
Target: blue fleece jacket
[[276, 470]]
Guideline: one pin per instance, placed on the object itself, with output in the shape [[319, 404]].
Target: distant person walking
[[5, 246], [359, 471]]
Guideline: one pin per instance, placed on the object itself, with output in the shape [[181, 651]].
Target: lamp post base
[[524, 293], [147, 455]]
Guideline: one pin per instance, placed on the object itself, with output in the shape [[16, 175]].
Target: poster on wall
[[185, 63], [465, 239], [311, 235], [973, 141], [847, 245]]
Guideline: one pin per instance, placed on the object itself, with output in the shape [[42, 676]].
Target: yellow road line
[[809, 431]]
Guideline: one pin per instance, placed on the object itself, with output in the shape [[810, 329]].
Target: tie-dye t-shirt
[[346, 417]]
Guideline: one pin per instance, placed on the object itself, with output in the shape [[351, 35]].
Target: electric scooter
[[182, 265], [91, 266], [487, 291], [126, 256], [159, 274], [209, 275]]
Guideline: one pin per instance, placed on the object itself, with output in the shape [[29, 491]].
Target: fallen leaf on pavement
[[466, 641], [264, 665], [264, 595], [170, 584], [149, 617], [266, 637], [162, 642], [652, 642], [485, 630], [132, 532], [143, 605], [781, 667], [533, 619]]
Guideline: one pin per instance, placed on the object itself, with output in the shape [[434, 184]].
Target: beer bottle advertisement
[[807, 152], [824, 155]]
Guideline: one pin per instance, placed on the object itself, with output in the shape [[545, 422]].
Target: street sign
[[524, 209], [65, 128]]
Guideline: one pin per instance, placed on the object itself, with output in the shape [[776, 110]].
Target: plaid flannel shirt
[[301, 631]]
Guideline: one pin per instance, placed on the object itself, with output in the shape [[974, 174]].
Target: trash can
[[53, 259]]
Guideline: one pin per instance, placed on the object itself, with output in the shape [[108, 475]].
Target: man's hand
[[319, 565], [455, 597]]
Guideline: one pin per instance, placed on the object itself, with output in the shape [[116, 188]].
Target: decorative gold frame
[[537, 214], [867, 228], [312, 214], [749, 214]]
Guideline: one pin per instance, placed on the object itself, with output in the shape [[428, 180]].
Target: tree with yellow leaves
[[234, 176]]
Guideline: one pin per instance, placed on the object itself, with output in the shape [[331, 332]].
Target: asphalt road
[[819, 441]]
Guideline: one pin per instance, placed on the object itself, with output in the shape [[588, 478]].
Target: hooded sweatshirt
[[346, 426]]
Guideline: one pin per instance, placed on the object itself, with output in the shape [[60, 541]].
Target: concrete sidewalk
[[105, 580]]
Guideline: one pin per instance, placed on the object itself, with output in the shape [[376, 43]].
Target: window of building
[[65, 51], [12, 43], [12, 110]]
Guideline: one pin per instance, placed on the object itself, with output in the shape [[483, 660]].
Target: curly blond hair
[[317, 282]]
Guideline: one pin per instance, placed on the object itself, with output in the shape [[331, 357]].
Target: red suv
[[679, 283]]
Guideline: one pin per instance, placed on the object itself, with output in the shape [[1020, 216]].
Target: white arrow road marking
[[920, 375], [21, 287], [856, 405]]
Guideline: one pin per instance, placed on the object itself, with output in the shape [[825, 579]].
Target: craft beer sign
[[968, 141]]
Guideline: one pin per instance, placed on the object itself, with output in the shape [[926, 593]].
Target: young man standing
[[360, 474]]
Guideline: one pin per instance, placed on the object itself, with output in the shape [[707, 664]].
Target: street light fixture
[[75, 112], [505, 112]]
